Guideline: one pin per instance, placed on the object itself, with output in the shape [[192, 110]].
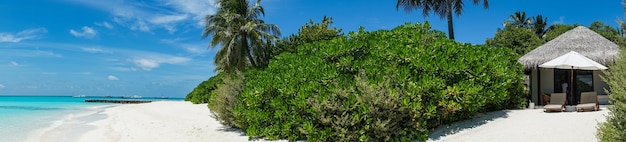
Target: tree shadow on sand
[[232, 130], [476, 121], [240, 132]]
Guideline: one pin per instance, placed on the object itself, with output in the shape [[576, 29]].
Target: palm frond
[[409, 5], [457, 6], [238, 31]]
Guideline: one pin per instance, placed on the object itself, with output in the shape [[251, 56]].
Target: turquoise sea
[[22, 115]]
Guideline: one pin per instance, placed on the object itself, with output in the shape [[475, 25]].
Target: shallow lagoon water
[[22, 115]]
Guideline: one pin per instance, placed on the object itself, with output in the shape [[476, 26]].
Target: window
[[584, 81]]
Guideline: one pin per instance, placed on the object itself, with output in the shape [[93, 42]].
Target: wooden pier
[[119, 101]]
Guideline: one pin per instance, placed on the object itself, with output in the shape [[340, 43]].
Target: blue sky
[[153, 47]]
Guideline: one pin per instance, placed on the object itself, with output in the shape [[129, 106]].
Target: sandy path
[[524, 125]]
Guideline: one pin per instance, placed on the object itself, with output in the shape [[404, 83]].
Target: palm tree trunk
[[450, 25], [247, 49]]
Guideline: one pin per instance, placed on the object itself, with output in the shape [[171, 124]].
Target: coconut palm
[[539, 25], [519, 20], [443, 8], [237, 28]]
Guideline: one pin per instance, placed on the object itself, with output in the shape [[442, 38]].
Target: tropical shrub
[[308, 33], [613, 129], [386, 85], [205, 90], [224, 101], [521, 40]]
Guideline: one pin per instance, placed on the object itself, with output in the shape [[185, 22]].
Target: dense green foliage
[[241, 34], [205, 90], [309, 33], [376, 86], [613, 129], [521, 33], [225, 99], [521, 40], [608, 32], [444, 8]]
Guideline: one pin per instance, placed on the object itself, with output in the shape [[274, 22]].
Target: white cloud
[[140, 26], [23, 35], [111, 77], [14, 63], [170, 29], [168, 21], [95, 50], [87, 32], [164, 19], [148, 64], [123, 69], [198, 8], [161, 14], [105, 24], [2, 86]]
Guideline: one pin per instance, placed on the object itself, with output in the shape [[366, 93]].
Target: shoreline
[[182, 121], [68, 126], [156, 121]]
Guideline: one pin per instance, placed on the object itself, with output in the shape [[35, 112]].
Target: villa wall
[[598, 84], [533, 86], [547, 84], [547, 80]]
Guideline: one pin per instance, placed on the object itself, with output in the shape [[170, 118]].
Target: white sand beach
[[167, 121], [524, 125], [186, 122]]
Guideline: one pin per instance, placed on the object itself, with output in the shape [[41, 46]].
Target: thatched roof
[[580, 39]]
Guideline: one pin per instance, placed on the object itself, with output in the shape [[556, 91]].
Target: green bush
[[520, 40], [225, 99], [386, 85], [367, 112], [613, 129], [205, 90]]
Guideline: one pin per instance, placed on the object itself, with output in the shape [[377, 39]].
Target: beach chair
[[546, 98], [557, 103], [588, 101]]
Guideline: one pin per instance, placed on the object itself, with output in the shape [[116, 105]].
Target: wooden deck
[[119, 101]]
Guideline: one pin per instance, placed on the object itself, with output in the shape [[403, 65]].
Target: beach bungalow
[[544, 81]]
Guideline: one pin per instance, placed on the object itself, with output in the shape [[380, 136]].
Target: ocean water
[[20, 116]]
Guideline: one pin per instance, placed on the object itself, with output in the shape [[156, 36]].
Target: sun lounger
[[546, 98], [588, 101], [557, 102]]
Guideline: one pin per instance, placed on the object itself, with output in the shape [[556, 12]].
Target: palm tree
[[519, 20], [539, 25], [443, 8], [237, 28]]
